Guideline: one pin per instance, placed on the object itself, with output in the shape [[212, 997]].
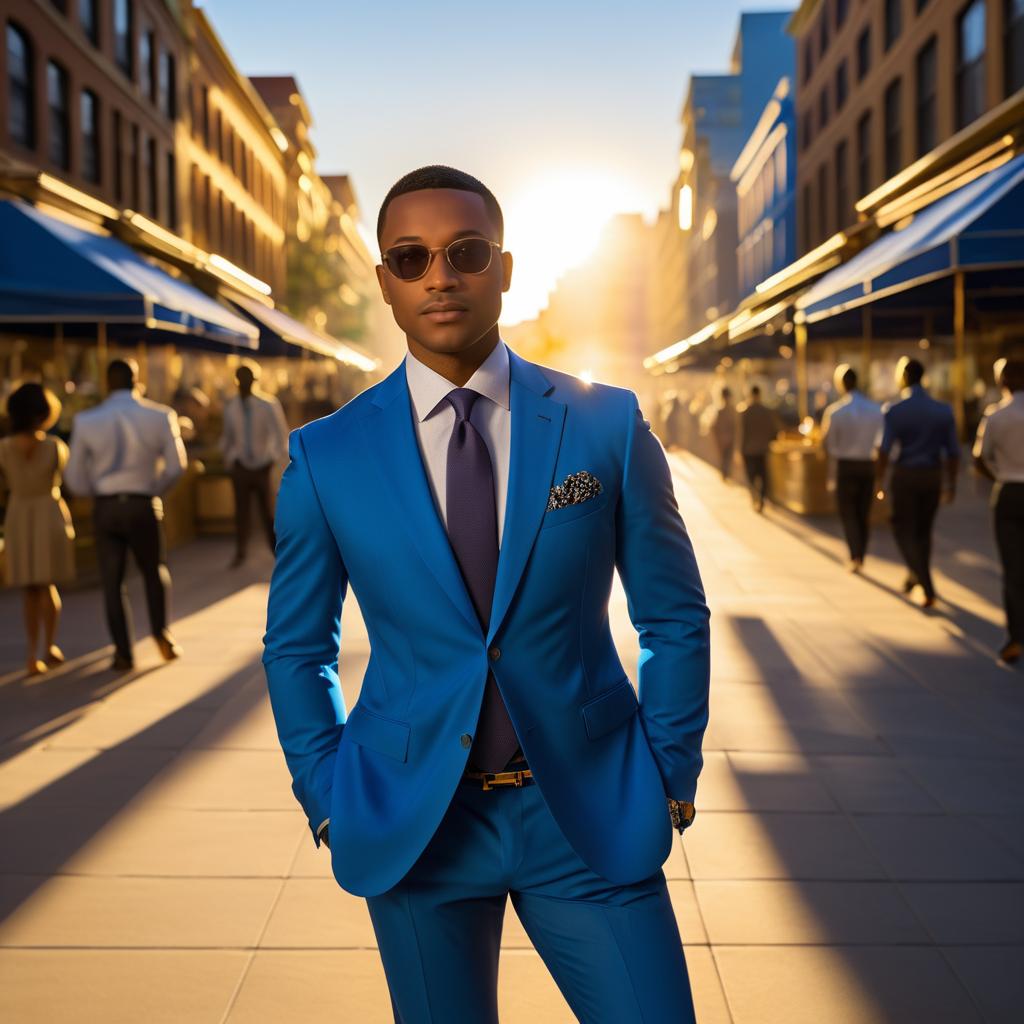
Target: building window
[[842, 186], [864, 153], [118, 131], [823, 107], [90, 127], [842, 86], [863, 53], [805, 217], [152, 186], [824, 29], [893, 21], [1014, 48], [21, 110], [822, 202], [808, 67], [147, 69], [805, 130], [124, 15], [893, 129], [133, 164], [842, 9], [166, 98], [970, 71], [88, 15], [57, 101], [205, 114], [927, 128], [172, 191]]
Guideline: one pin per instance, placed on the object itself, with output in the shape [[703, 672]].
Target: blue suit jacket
[[355, 508]]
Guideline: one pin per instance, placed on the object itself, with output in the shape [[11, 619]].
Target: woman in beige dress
[[39, 549]]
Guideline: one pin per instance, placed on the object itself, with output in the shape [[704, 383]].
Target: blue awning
[[52, 271], [978, 227], [281, 334]]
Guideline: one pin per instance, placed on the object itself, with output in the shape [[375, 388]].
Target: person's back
[[924, 428], [852, 427], [758, 427]]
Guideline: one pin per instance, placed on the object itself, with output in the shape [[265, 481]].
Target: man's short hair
[[1011, 375], [121, 373], [849, 378], [755, 390], [248, 366], [913, 371], [726, 393], [441, 176]]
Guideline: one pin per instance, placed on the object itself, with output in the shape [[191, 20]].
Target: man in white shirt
[[999, 455], [850, 432], [127, 452], [255, 437]]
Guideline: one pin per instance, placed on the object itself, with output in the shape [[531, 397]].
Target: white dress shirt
[[1000, 439], [435, 419], [852, 427], [126, 444], [268, 431]]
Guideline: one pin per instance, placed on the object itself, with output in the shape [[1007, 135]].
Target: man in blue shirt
[[924, 431]]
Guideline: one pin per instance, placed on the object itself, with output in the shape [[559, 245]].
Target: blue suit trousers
[[613, 950]]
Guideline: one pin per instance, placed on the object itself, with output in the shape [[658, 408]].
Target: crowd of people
[[126, 453]]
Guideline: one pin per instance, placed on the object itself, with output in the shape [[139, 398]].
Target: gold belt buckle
[[505, 778]]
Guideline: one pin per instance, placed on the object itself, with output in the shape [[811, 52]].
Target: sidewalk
[[858, 854]]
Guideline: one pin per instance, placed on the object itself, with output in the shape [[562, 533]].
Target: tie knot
[[462, 401]]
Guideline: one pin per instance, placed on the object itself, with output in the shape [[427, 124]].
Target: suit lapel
[[391, 438], [536, 436]]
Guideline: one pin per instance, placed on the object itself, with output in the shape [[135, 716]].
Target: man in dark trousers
[[127, 452], [999, 455], [478, 505], [924, 430], [758, 426], [850, 431]]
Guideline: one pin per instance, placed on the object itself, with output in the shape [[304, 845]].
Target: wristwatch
[[682, 813]]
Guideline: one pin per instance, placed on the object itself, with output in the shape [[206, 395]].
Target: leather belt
[[491, 780]]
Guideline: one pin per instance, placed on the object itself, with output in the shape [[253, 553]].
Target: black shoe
[[909, 583], [121, 663], [1011, 653], [169, 647]]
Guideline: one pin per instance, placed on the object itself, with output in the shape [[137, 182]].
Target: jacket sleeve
[[303, 637], [666, 603]]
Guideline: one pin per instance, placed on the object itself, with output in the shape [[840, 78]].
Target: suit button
[[494, 653], [466, 739]]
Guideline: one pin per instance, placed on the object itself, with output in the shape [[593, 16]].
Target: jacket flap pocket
[[385, 735], [603, 713]]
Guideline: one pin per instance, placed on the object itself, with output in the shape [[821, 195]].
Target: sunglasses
[[464, 255]]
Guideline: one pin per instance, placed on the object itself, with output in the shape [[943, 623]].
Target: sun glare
[[554, 224]]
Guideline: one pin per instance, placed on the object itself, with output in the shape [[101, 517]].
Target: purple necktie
[[473, 532]]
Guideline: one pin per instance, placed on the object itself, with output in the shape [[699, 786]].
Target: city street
[[857, 856]]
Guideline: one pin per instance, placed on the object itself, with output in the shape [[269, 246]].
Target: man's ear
[[381, 280], [506, 267]]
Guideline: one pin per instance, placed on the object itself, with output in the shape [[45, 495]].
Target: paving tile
[[815, 846], [841, 984], [806, 912], [936, 847], [968, 913], [135, 912], [971, 786], [89, 986], [769, 782], [706, 987], [238, 780], [318, 914], [872, 784], [994, 975]]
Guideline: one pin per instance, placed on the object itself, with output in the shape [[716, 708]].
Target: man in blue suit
[[478, 504]]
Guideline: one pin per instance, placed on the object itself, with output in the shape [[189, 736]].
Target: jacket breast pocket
[[557, 516], [607, 710], [385, 735]]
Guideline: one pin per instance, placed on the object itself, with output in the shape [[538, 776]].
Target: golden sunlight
[[553, 225]]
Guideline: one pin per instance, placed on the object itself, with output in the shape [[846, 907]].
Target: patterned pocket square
[[575, 488]]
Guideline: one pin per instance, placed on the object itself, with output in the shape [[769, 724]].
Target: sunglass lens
[[470, 255], [408, 261]]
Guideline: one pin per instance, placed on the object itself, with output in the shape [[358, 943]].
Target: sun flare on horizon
[[553, 225]]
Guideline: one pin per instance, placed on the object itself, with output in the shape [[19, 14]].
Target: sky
[[567, 111]]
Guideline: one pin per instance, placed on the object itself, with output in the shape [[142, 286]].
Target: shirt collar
[[123, 395], [427, 387]]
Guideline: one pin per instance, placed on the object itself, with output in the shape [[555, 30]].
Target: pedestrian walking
[[999, 455], [758, 427], [39, 537], [497, 748], [723, 429], [254, 438], [127, 452], [928, 452], [851, 430]]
